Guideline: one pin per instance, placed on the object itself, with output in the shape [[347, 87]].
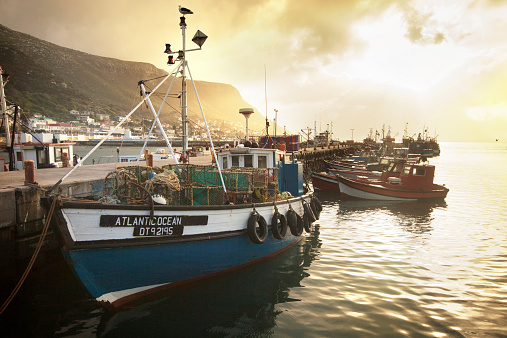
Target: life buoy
[[309, 212], [257, 234], [278, 225], [292, 221]]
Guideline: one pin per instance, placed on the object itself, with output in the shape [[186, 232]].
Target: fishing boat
[[158, 227], [415, 182], [328, 181], [325, 181]]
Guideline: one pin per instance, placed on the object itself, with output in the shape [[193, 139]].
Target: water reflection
[[416, 217], [236, 304]]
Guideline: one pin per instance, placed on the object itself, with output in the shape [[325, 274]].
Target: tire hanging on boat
[[257, 235], [300, 225], [278, 225], [309, 212], [306, 223], [317, 203], [316, 213], [292, 221]]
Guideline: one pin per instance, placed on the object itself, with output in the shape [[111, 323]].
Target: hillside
[[52, 80]]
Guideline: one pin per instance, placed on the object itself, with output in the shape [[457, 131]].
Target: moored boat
[[155, 228], [325, 181], [414, 183]]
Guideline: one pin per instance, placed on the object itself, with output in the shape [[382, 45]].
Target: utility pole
[[4, 107]]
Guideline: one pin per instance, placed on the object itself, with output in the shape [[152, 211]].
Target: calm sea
[[368, 269]]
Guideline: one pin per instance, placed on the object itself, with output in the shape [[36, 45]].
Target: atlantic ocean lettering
[[132, 221], [146, 220], [153, 226]]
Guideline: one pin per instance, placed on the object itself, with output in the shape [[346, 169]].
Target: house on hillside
[[40, 123]]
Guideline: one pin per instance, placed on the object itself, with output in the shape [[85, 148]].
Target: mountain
[[52, 80]]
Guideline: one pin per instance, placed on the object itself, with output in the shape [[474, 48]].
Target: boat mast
[[181, 55]]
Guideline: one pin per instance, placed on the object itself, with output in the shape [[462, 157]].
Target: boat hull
[[377, 191], [325, 182], [117, 262]]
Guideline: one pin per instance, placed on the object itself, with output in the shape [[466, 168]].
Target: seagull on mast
[[184, 10]]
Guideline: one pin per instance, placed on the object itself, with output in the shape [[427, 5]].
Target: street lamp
[[276, 119]]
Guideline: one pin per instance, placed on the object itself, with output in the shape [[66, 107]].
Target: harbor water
[[368, 269]]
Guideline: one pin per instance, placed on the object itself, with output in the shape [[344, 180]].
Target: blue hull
[[133, 271]]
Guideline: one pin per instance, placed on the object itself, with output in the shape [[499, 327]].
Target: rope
[[32, 260], [167, 178]]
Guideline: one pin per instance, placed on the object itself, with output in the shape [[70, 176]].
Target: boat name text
[[136, 221]]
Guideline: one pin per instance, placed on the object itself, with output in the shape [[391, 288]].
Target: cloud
[[420, 26]]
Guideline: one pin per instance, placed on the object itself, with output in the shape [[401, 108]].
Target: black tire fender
[[309, 212], [278, 225], [317, 203], [257, 235], [292, 221], [300, 225], [306, 223], [316, 213]]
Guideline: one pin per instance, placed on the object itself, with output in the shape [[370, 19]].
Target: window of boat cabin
[[235, 161], [224, 162], [395, 167], [248, 161], [420, 172], [406, 169], [262, 161]]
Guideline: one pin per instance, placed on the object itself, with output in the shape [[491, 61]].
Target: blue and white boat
[[156, 228]]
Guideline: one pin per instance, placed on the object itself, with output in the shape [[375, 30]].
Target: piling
[[29, 172], [149, 160]]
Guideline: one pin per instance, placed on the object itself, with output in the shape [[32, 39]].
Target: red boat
[[325, 181], [414, 183]]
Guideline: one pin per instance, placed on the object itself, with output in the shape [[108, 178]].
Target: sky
[[345, 66]]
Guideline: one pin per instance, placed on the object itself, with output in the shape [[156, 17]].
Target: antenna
[[246, 112]]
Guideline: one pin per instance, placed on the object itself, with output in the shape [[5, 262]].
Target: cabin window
[[248, 161], [391, 167], [19, 156], [224, 162], [420, 172], [235, 161], [406, 170], [262, 161]]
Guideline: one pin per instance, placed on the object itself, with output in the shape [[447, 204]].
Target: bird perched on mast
[[184, 10]]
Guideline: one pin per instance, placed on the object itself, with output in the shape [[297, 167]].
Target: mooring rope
[[32, 260]]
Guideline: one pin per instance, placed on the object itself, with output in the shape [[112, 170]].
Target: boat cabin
[[250, 157], [418, 176]]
